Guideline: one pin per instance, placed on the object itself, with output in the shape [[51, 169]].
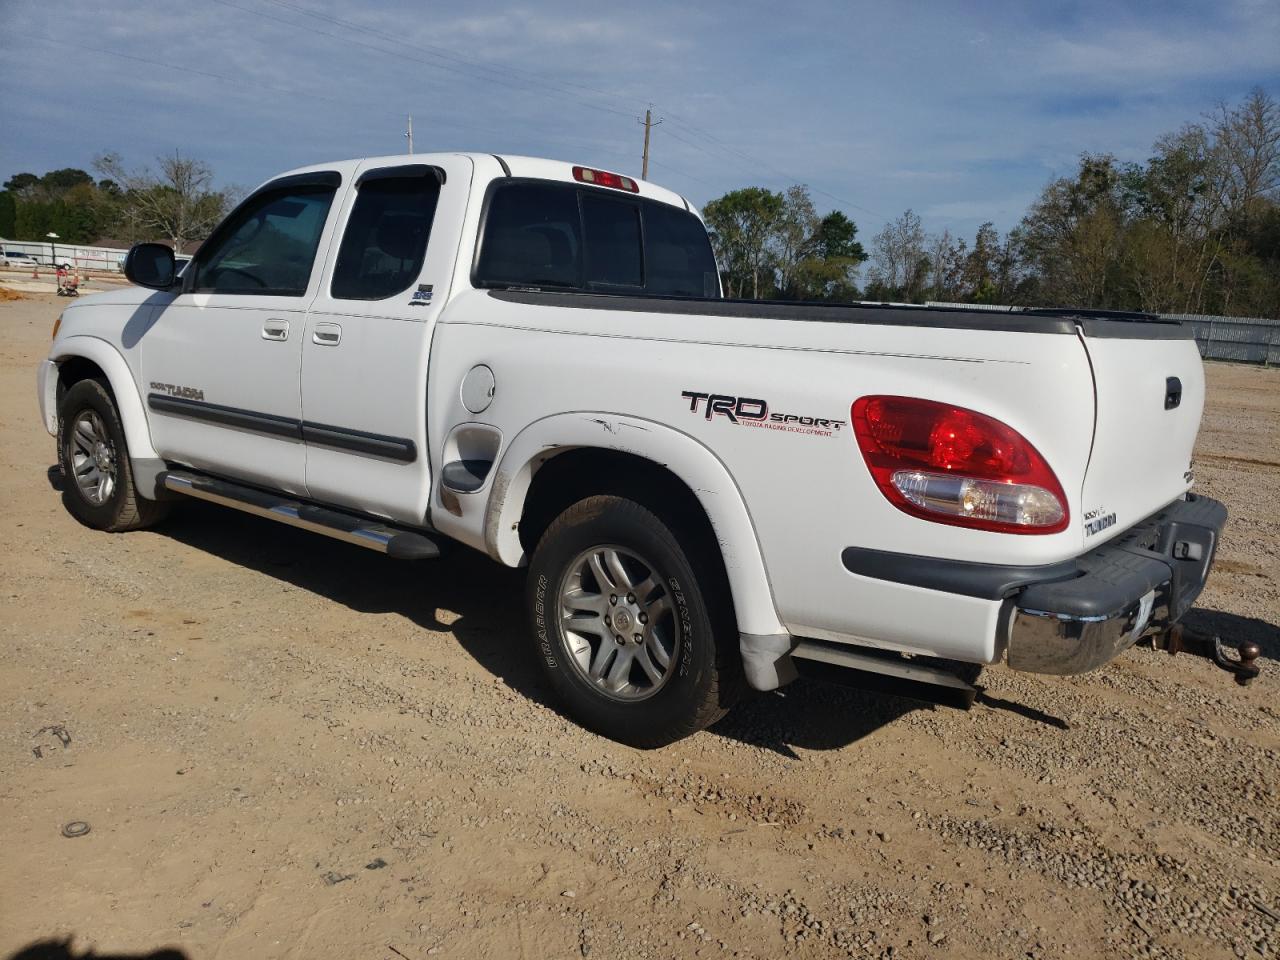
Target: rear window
[[678, 254], [612, 230], [532, 237], [545, 234]]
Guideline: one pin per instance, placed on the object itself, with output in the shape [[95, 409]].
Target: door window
[[269, 247], [386, 238]]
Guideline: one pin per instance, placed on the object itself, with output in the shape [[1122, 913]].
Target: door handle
[[275, 330], [326, 334]]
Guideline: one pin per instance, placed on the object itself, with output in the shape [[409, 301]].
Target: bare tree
[[795, 232], [177, 202], [1249, 138], [898, 256], [940, 253]]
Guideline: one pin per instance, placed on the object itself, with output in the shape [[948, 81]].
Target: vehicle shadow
[[1235, 629], [464, 593], [486, 618], [813, 715], [61, 950]]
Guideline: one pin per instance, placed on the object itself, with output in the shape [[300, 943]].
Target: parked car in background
[[17, 259]]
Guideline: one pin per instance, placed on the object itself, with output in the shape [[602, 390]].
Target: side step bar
[[890, 673], [364, 532]]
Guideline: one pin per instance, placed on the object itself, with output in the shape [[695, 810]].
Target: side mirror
[[151, 265]]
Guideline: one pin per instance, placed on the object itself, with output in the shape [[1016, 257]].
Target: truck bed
[[1063, 320]]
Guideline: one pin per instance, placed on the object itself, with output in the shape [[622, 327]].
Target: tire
[[91, 441], [655, 606]]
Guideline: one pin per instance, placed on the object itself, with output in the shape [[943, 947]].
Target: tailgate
[[1149, 390]]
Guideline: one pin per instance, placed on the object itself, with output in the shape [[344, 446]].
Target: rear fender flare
[[690, 461]]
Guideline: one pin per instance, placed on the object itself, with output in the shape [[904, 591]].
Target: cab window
[[532, 236], [612, 230], [268, 247], [385, 241], [559, 235], [677, 254]]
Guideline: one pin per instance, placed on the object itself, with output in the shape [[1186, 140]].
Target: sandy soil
[[289, 747]]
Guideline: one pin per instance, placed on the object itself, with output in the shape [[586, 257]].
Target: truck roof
[[497, 165]]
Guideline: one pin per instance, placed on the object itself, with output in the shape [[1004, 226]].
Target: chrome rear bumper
[[1044, 642], [1140, 583]]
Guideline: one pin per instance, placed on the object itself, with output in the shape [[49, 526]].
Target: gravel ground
[[287, 747]]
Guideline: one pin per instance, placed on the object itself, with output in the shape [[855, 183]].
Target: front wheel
[[637, 647], [98, 488]]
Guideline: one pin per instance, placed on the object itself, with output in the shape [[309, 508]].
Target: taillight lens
[[953, 465]]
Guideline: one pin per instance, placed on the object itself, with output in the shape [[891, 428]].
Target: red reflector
[[953, 465], [603, 178]]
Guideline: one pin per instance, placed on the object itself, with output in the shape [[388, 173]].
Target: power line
[[755, 162], [347, 40], [521, 80], [523, 77], [308, 95]]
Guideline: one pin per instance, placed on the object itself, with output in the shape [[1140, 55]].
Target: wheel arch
[[80, 358], [564, 458]]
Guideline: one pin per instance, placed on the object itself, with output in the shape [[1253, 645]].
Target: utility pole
[[649, 124], [409, 133]]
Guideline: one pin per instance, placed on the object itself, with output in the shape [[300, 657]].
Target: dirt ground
[[289, 747]]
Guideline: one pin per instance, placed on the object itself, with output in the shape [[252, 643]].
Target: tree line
[[174, 201], [1193, 229]]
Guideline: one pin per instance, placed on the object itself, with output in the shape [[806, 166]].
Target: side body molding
[[134, 418], [688, 459]]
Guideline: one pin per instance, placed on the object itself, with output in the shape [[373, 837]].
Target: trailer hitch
[[1182, 639]]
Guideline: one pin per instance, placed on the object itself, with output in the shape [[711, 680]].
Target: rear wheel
[[638, 648], [98, 488]]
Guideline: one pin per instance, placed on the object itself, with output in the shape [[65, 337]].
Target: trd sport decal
[[750, 412]]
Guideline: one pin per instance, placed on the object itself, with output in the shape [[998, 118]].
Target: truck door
[[220, 363], [368, 334]]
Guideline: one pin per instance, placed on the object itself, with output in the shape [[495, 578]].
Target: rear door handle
[[275, 330], [326, 334]]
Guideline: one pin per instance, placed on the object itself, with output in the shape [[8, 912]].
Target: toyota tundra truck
[[534, 359]]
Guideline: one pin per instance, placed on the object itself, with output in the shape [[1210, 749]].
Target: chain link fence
[[1242, 339], [1239, 339]]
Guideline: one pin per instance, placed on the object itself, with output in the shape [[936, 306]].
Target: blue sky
[[962, 111]]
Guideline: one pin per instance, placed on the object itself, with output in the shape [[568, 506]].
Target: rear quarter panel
[[807, 489]]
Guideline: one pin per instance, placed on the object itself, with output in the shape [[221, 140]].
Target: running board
[[364, 532], [892, 674]]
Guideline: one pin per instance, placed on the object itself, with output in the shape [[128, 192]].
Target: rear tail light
[[957, 466], [603, 178]]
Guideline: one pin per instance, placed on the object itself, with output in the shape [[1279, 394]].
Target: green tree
[[1073, 234], [829, 270], [742, 224], [8, 215], [21, 184]]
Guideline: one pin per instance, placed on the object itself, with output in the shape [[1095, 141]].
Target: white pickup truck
[[532, 358]]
